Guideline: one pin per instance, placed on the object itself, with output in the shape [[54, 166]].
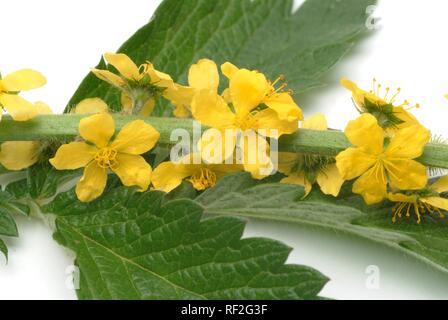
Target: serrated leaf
[[239, 195], [140, 246], [260, 34], [8, 226], [42, 182]]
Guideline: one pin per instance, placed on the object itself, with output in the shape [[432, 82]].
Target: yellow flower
[[425, 200], [12, 85], [19, 155], [258, 110], [202, 75], [305, 170], [228, 123], [251, 89], [390, 115], [140, 86], [98, 154], [377, 165], [91, 106], [169, 175]]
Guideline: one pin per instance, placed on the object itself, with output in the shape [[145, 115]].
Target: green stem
[[63, 127]]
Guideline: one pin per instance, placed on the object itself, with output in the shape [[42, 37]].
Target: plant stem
[[65, 127]]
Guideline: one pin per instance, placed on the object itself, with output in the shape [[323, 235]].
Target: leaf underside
[[239, 195], [260, 34]]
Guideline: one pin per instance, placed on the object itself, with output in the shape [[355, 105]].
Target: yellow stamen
[[392, 100], [417, 213], [419, 207], [203, 179], [281, 88], [387, 93], [417, 106], [106, 158]]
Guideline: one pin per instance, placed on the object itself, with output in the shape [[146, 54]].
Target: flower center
[[382, 157], [107, 158], [203, 179], [247, 122]]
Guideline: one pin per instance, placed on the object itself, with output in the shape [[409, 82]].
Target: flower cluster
[[245, 114]]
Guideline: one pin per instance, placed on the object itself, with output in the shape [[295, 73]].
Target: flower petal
[[73, 156], [126, 102], [19, 155], [181, 111], [353, 162], [330, 180], [204, 75], [133, 171], [229, 69], [406, 174], [284, 105], [272, 126], [216, 146], [159, 78], [211, 110], [316, 122], [298, 178], [360, 95], [372, 185], [42, 108], [408, 142], [248, 89], [92, 183], [365, 133], [97, 129], [436, 202], [147, 108], [399, 197], [441, 185], [255, 155], [168, 175], [18, 108], [181, 97], [136, 137], [109, 77], [123, 64], [408, 119], [23, 80], [91, 106]]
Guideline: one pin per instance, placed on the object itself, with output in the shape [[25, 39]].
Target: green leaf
[[260, 34], [239, 195], [42, 182], [4, 249], [8, 226], [140, 246]]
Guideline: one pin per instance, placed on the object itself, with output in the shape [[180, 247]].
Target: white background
[[63, 39]]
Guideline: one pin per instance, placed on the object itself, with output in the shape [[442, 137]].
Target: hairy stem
[[63, 127]]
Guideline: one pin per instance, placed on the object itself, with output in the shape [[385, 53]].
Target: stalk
[[65, 127]]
